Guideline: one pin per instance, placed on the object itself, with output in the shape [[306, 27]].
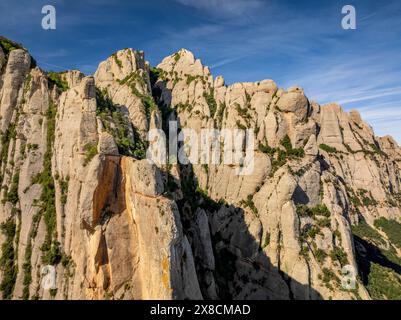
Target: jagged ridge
[[77, 195]]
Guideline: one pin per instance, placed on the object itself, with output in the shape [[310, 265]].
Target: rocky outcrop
[[79, 195], [311, 164], [125, 77]]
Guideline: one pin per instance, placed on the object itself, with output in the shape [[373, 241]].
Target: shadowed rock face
[[76, 194]]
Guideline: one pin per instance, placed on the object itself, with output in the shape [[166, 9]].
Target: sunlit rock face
[[78, 194]]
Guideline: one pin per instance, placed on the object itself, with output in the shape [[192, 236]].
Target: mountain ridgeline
[[78, 194]]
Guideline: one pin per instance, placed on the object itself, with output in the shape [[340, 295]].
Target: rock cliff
[[77, 192]]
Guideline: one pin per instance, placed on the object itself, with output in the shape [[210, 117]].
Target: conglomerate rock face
[[78, 194]]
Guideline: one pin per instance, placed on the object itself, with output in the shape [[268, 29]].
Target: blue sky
[[290, 41]]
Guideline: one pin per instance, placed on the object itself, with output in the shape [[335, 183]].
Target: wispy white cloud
[[227, 61], [317, 56], [369, 16], [250, 40], [377, 94], [52, 54], [52, 66], [369, 84], [224, 7]]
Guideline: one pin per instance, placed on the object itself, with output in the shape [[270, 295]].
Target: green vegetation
[[397, 198], [27, 84], [220, 112], [279, 155], [353, 198], [50, 247], [292, 152], [366, 232], [266, 149], [328, 277], [338, 254], [256, 130], [33, 147], [206, 202], [132, 80], [48, 196], [195, 196], [304, 251], [55, 79], [103, 102], [337, 235], [248, 203], [156, 74], [318, 210], [321, 210], [51, 252], [90, 152], [384, 283], [267, 240], [117, 61], [53, 292], [301, 171], [392, 229], [240, 125], [248, 98], [327, 148], [391, 255], [27, 267], [183, 106], [320, 256], [278, 161], [379, 263], [64, 190], [8, 259], [367, 198], [116, 123], [309, 232], [12, 195], [6, 138], [129, 79], [211, 102], [176, 57], [191, 78], [376, 149], [8, 45], [324, 223], [149, 104], [243, 112]]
